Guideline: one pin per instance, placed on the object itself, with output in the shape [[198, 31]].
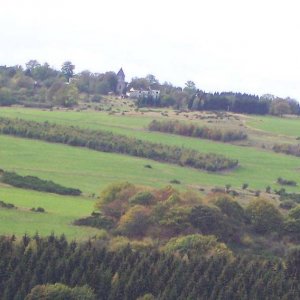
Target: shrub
[[295, 213], [134, 222], [185, 129], [60, 291], [287, 204], [95, 220], [35, 183], [198, 245], [210, 220], [142, 198], [230, 207], [38, 210], [264, 216], [7, 205], [245, 185], [175, 181], [287, 149], [286, 182]]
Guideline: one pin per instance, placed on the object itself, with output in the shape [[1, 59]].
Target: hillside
[[129, 198]]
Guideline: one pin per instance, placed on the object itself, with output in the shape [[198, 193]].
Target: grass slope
[[90, 171], [282, 126], [258, 167], [60, 213]]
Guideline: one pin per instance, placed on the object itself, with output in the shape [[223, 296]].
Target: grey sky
[[233, 45]]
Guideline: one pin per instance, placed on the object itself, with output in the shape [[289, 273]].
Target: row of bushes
[[109, 142], [193, 130], [287, 149], [35, 183]]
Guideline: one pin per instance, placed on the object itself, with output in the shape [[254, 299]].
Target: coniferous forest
[[131, 274]]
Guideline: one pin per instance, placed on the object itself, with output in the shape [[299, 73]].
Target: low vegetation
[[286, 182], [35, 183], [108, 142], [193, 130], [287, 149], [6, 205]]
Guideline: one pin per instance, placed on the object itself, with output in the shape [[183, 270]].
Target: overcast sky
[[234, 45]]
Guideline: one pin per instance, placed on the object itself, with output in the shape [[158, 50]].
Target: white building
[[136, 94]]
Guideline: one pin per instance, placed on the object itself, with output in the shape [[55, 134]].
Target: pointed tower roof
[[121, 73]]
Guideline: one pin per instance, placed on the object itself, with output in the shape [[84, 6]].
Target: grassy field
[[281, 126], [91, 171], [258, 167], [60, 213]]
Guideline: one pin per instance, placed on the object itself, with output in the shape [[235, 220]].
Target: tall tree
[[68, 69]]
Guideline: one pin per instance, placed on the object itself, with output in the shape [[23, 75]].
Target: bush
[[142, 198], [286, 182], [7, 205], [95, 220], [175, 181], [60, 291], [245, 185], [197, 244], [210, 220], [35, 183], [295, 213], [134, 222], [193, 130], [264, 216], [287, 149], [38, 210], [230, 207], [287, 204]]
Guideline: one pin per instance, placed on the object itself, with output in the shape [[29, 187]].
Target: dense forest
[[109, 142], [30, 267], [39, 85]]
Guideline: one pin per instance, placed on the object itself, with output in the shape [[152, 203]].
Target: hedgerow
[[108, 142]]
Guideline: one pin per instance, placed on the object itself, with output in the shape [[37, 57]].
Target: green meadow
[[60, 213], [90, 170], [281, 126]]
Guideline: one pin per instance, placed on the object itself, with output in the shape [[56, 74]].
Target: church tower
[[121, 82]]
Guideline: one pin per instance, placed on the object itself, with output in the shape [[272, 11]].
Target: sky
[[250, 46]]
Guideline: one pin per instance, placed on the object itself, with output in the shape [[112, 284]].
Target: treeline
[[39, 85], [109, 142], [185, 129], [287, 149], [192, 98], [149, 274], [35, 183]]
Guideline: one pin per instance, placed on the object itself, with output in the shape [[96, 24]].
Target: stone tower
[[121, 82]]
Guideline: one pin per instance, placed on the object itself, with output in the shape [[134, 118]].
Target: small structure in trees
[[121, 85]]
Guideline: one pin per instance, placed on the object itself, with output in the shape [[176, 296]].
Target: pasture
[[90, 170]]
